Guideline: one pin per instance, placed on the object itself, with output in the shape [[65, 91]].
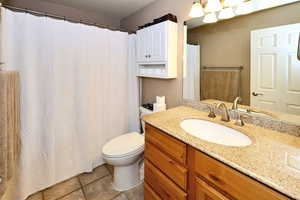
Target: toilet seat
[[125, 145]]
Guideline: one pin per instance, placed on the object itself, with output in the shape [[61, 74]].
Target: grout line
[[84, 195], [96, 180], [80, 188], [118, 196], [68, 194]]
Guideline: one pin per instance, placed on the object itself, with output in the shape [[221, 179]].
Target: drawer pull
[[216, 179]]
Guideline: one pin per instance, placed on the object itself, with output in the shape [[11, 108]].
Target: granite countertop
[[273, 158]]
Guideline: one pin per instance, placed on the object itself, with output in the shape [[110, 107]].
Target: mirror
[[252, 56]]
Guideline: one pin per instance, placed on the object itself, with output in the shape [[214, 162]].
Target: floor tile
[[98, 173], [100, 189], [121, 197], [110, 168], [77, 195], [136, 193], [61, 189], [36, 196]]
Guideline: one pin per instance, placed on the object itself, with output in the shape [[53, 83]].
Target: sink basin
[[215, 133]]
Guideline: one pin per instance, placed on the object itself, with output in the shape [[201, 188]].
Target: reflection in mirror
[[251, 56]]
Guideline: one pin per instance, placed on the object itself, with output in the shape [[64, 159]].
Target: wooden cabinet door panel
[[231, 181], [167, 165], [206, 192], [168, 144], [161, 185]]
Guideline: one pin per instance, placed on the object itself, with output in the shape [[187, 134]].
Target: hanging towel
[[220, 85], [9, 126]]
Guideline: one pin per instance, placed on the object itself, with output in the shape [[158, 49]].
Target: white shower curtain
[[74, 94]]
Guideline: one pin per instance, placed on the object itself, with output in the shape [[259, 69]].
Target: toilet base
[[126, 177]]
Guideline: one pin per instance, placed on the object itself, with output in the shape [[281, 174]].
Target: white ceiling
[[113, 8]]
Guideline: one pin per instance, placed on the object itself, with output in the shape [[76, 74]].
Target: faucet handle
[[212, 113], [239, 119]]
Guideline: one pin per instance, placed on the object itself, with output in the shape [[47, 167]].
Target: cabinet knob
[[149, 56], [1, 180]]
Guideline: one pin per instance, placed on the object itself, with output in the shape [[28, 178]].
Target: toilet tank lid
[[124, 144]]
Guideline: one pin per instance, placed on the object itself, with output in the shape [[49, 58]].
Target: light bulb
[[213, 6], [244, 8], [196, 10], [226, 13], [232, 3], [210, 18]]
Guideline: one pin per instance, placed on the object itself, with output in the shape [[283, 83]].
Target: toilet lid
[[124, 145]]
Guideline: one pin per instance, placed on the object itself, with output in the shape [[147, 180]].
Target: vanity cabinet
[[157, 50], [177, 171]]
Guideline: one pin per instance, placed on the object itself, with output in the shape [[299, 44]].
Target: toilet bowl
[[124, 153]]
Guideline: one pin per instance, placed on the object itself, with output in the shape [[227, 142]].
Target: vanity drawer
[[149, 194], [170, 145], [162, 186], [167, 165], [231, 181], [206, 192]]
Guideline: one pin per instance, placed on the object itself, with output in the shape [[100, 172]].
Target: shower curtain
[[77, 92]]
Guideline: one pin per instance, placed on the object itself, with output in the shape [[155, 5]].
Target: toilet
[[125, 154]]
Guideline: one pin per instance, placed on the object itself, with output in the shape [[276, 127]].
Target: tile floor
[[89, 186]]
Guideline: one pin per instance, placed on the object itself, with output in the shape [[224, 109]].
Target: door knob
[[257, 94]]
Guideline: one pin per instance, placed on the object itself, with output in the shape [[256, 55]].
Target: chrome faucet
[[235, 103], [225, 114]]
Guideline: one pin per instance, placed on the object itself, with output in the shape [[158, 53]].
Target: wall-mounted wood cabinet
[[177, 171], [157, 50]]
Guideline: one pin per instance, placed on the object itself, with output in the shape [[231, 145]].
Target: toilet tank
[[144, 111]]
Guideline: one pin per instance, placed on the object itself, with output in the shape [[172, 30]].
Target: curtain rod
[[26, 10]]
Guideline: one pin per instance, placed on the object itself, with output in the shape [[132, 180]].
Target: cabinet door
[[143, 45], [205, 192], [158, 43]]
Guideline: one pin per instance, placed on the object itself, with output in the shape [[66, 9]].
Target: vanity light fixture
[[210, 18], [213, 6], [244, 8], [226, 13], [232, 3], [197, 10]]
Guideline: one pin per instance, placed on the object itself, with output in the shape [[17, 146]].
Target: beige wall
[[72, 13], [227, 43], [172, 89]]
